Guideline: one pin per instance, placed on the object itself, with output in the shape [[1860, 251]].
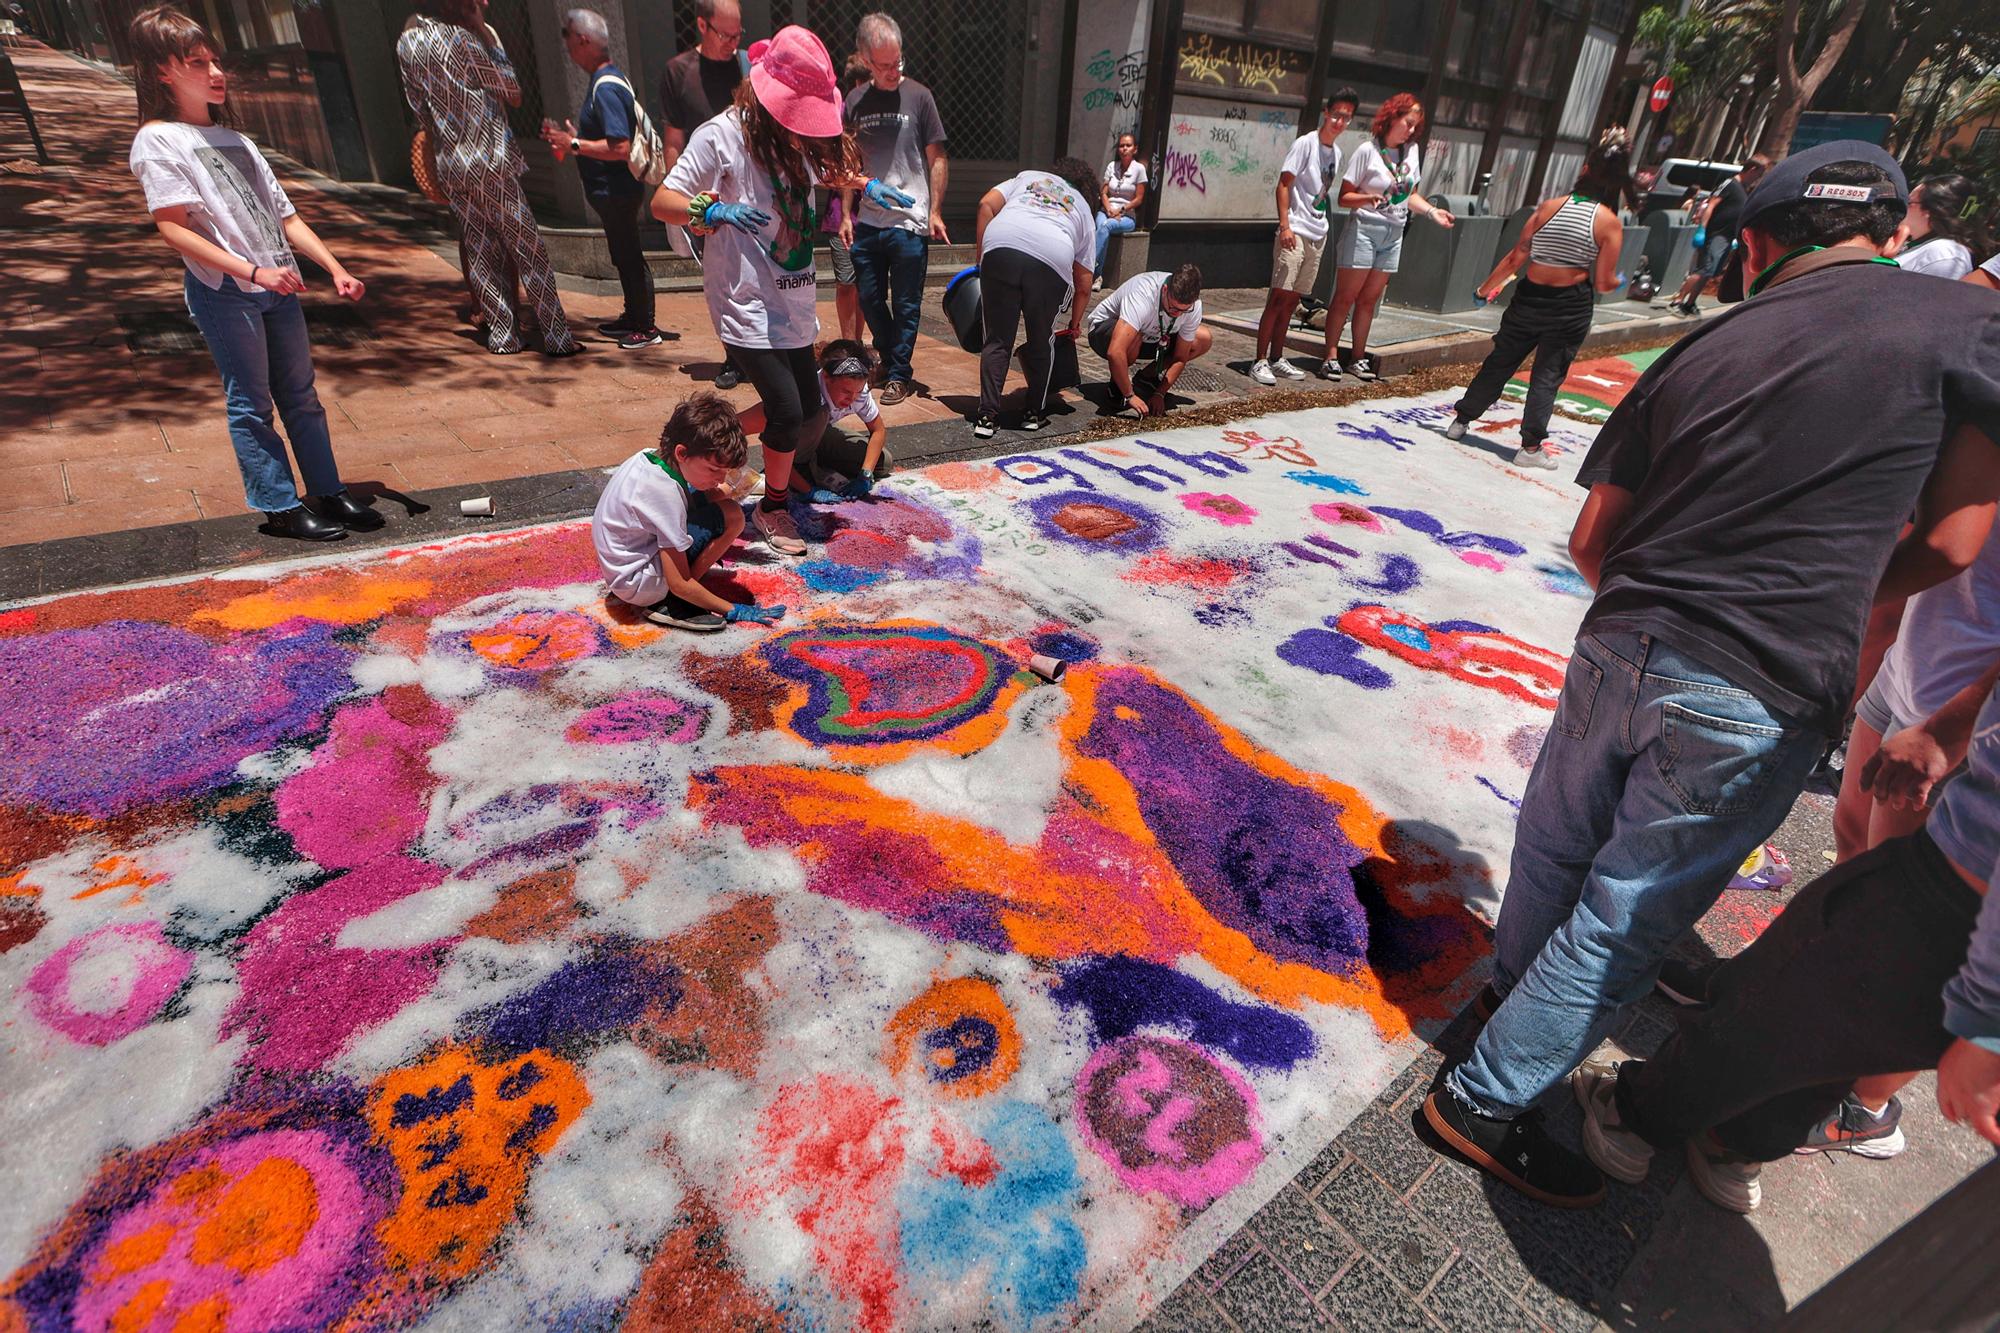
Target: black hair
[[843, 349], [1347, 95], [1800, 222], [1607, 171], [707, 427], [1953, 208], [1081, 177], [1185, 284]]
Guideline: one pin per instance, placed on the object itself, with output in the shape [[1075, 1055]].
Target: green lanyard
[[1771, 269], [668, 468]]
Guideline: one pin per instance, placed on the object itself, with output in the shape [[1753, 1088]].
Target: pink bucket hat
[[793, 79]]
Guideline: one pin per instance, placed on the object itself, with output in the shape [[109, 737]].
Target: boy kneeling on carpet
[[841, 464], [666, 518]]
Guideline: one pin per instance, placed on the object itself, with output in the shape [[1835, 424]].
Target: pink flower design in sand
[[1224, 509]]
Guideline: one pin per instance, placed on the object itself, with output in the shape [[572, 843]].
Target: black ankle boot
[[349, 512], [302, 524]]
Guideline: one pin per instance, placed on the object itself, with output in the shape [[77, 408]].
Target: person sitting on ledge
[[1155, 317]]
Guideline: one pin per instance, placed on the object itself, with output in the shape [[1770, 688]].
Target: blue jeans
[[1106, 226], [1657, 778], [259, 343], [889, 267]]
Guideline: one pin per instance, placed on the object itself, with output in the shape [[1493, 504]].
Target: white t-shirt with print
[[1314, 167], [863, 406], [228, 189], [1937, 256], [760, 288], [1387, 173], [1137, 302], [642, 512], [1047, 220], [1121, 187]]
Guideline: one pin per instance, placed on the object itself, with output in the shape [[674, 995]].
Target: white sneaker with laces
[[1286, 370], [1617, 1151], [1534, 458], [1329, 369], [1725, 1181], [1260, 371], [778, 530]]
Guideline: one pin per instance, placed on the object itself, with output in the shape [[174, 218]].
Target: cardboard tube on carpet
[[1048, 668], [476, 508]]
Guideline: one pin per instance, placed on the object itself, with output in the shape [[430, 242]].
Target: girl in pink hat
[[747, 178]]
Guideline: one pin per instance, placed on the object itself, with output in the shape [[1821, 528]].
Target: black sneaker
[[638, 338], [983, 427], [1854, 1128], [1517, 1152], [347, 511], [678, 613], [1486, 1002], [1685, 984], [1365, 368], [728, 377], [1033, 421], [614, 328]]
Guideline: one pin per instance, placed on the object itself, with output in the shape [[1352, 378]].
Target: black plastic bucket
[[962, 307]]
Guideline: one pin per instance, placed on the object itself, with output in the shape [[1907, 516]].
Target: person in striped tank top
[[1568, 252]]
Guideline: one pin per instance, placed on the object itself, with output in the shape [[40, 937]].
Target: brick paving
[[98, 437]]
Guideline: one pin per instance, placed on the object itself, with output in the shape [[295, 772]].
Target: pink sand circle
[[1159, 1160], [156, 1241], [108, 984]]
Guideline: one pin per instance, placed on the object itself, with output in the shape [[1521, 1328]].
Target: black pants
[[1844, 984], [787, 380], [620, 215], [1013, 285], [1551, 322]]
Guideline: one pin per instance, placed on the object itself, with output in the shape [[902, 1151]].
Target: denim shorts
[[1370, 243], [1715, 255], [704, 523]]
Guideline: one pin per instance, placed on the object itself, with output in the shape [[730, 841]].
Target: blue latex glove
[[860, 487], [1700, 237], [740, 216], [1621, 281], [754, 614], [887, 196], [822, 496]]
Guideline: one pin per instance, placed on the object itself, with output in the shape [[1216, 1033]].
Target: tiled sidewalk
[[97, 437]]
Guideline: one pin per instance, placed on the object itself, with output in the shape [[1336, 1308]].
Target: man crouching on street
[[1155, 317]]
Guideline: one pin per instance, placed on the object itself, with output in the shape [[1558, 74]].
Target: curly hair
[[707, 427], [788, 156], [1080, 176], [1393, 110], [158, 36], [1607, 171]]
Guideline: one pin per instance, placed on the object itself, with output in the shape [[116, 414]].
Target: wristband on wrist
[[254, 271]]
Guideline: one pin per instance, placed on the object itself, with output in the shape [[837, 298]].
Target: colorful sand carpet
[[1593, 387], [412, 939]]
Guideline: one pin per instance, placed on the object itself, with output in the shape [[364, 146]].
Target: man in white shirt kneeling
[[1155, 317]]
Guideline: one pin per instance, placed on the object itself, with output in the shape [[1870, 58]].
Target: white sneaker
[[1286, 369], [1260, 371], [1725, 1181], [1329, 369], [1455, 431], [1534, 458], [778, 530], [1617, 1151]]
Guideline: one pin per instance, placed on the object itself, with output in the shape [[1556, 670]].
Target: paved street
[[111, 429]]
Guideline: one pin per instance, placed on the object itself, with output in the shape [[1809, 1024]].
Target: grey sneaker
[[1618, 1152], [1455, 431], [1260, 371], [1725, 1180], [778, 530], [1536, 457], [1284, 369], [1329, 369], [1364, 368]]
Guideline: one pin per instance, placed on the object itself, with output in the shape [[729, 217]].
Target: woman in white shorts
[[1380, 185]]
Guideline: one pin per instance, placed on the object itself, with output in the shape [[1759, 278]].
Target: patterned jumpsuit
[[456, 86]]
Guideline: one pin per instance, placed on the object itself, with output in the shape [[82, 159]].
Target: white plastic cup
[[478, 508], [1048, 668]]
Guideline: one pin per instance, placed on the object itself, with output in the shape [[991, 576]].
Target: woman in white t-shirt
[[215, 201], [1124, 191], [1380, 185], [1939, 235], [745, 180], [1034, 237]]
